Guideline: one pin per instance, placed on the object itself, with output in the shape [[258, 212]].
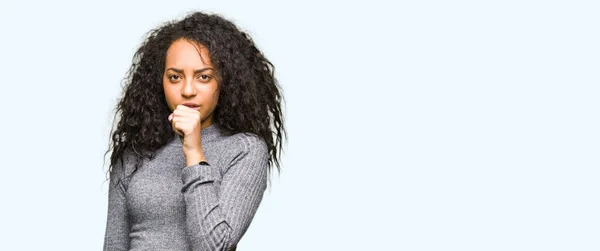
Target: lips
[[191, 105]]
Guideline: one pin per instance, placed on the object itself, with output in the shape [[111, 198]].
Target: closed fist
[[186, 123]]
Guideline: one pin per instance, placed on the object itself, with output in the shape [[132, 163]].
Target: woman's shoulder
[[247, 142]]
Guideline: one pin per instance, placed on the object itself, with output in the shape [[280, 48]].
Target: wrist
[[193, 158]]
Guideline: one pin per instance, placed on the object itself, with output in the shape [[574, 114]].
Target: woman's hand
[[186, 123]]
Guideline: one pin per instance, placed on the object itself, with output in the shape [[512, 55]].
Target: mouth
[[192, 105]]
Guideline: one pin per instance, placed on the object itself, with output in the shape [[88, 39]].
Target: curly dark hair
[[249, 101]]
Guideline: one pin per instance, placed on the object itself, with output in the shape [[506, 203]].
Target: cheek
[[211, 93], [215, 100], [216, 95], [169, 96]]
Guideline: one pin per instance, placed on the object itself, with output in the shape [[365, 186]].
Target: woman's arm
[[217, 219], [117, 224]]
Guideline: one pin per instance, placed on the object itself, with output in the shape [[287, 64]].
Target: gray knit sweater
[[168, 206]]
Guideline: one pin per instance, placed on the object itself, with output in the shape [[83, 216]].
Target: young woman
[[200, 125]]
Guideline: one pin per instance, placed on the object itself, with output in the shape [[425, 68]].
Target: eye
[[204, 77], [173, 77]]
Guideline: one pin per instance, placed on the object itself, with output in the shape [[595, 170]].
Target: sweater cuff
[[199, 174]]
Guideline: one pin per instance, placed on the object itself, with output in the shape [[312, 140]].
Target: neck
[[206, 123]]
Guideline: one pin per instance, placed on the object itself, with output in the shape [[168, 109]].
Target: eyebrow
[[180, 71]]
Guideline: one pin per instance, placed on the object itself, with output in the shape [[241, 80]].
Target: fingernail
[[171, 117]]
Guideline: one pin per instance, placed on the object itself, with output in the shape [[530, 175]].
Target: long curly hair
[[250, 98]]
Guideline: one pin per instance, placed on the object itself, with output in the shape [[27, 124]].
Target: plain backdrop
[[413, 125]]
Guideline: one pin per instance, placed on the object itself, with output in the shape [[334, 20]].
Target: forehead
[[184, 53]]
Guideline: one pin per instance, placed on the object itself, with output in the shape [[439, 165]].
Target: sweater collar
[[207, 134], [210, 132]]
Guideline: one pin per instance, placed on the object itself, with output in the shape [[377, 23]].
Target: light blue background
[[419, 125]]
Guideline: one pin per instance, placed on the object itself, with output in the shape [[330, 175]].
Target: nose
[[188, 90]]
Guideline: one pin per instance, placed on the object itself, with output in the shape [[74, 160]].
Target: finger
[[187, 110], [182, 115], [184, 121], [176, 129], [183, 112], [183, 124], [174, 120], [185, 107]]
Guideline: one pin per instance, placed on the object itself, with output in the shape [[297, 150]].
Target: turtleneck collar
[[208, 134]]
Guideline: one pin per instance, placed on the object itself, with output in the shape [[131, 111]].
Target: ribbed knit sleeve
[[117, 224], [218, 216]]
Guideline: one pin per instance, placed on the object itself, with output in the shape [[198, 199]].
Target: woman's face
[[190, 77]]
